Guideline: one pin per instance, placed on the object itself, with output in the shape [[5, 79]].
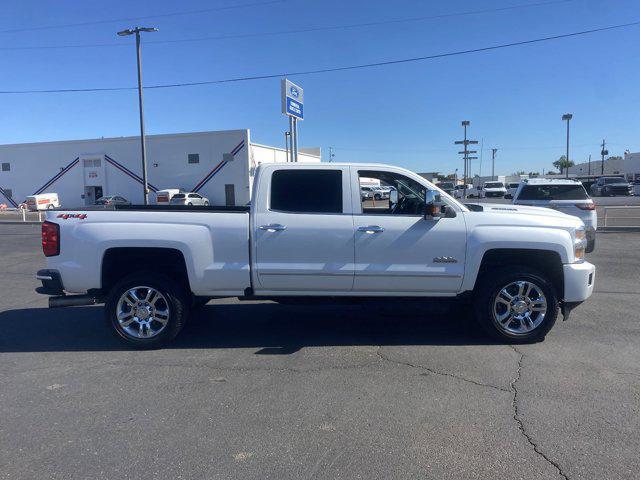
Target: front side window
[[406, 196], [306, 191]]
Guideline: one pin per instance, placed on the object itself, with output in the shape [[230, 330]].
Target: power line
[[333, 69], [295, 31], [161, 15]]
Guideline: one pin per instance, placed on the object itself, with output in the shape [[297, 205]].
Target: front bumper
[[579, 279]]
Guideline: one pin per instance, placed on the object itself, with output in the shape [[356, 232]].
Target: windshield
[[614, 180], [513, 185], [494, 185], [446, 185], [178, 195], [553, 192]]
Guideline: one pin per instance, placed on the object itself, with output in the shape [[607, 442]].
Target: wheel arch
[[118, 262], [547, 262]]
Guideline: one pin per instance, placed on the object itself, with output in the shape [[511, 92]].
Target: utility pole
[[567, 117], [603, 152], [493, 163], [465, 153], [143, 145], [589, 173]]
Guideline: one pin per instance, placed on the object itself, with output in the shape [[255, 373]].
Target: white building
[[218, 165]]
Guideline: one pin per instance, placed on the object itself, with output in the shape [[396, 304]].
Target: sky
[[405, 114]]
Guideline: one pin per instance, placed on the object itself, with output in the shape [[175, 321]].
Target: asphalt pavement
[[261, 390]]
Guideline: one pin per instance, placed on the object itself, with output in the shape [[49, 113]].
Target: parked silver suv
[[188, 199], [566, 196]]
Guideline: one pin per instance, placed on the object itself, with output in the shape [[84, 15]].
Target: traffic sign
[[292, 99]]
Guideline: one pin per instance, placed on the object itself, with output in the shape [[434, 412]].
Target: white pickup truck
[[308, 233]]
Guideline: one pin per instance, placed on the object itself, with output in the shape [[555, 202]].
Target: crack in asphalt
[[436, 372], [518, 417]]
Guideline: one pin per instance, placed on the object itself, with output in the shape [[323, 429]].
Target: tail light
[[586, 206], [50, 239]]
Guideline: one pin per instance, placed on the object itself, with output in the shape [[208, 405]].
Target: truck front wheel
[[516, 304], [146, 310]]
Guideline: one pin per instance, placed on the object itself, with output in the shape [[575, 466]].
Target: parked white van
[[163, 197], [44, 201]]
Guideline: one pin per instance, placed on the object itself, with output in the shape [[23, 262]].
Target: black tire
[[377, 196], [190, 204], [206, 204], [175, 297], [490, 285]]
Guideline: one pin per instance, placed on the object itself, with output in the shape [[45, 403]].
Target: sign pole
[[292, 158], [295, 139]]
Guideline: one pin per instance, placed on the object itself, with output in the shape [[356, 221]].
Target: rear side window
[[307, 191], [553, 192]]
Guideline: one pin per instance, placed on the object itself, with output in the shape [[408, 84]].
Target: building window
[[307, 191], [92, 162], [193, 158], [6, 167]]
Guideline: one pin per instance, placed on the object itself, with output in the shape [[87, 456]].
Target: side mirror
[[433, 205]]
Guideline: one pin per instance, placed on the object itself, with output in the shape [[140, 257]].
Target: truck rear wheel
[[146, 310], [516, 304]]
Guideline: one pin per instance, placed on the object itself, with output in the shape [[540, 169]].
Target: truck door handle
[[274, 227], [371, 229]]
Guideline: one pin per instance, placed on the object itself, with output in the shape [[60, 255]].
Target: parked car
[[493, 190], [566, 196], [459, 190], [366, 193], [304, 235], [380, 193], [190, 198], [42, 201], [163, 197], [112, 200], [511, 189], [610, 187], [447, 187]]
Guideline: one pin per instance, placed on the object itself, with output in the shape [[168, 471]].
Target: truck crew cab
[[308, 233]]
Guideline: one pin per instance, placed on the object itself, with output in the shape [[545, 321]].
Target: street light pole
[[143, 145], [493, 163], [567, 117], [465, 153]]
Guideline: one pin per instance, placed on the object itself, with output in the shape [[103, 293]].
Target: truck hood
[[522, 215]]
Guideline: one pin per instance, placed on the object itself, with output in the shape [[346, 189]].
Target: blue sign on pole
[[292, 100]]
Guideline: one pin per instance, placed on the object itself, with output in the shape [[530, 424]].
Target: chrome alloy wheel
[[519, 307], [143, 312]]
